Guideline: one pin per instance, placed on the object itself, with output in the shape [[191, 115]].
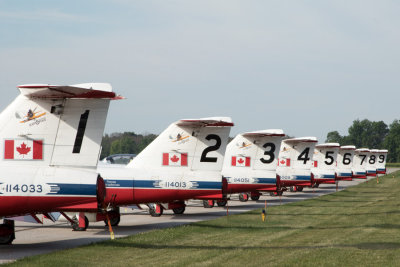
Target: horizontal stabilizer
[[301, 140], [348, 147], [362, 150], [270, 132], [327, 145], [207, 122], [86, 90]]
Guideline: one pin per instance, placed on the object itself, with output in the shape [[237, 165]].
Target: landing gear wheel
[[180, 210], [154, 212], [316, 185], [273, 194], [208, 204], [255, 198], [221, 203], [8, 234], [75, 224], [292, 189], [299, 188], [243, 197], [113, 221]]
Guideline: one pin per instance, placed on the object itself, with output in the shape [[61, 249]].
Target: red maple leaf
[[240, 161], [23, 149], [282, 162], [175, 159]]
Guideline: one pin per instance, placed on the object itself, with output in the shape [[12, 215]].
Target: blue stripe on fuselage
[[113, 183], [72, 189]]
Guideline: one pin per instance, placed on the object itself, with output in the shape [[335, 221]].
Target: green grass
[[393, 165], [359, 226]]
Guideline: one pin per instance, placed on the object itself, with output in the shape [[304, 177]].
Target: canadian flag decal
[[284, 162], [23, 149], [315, 164], [241, 161], [175, 159]]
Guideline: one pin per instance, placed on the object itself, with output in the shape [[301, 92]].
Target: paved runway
[[33, 239]]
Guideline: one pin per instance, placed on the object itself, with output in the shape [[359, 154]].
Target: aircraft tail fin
[[187, 145], [55, 125], [253, 151]]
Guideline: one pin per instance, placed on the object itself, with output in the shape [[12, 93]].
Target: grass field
[[393, 165], [359, 226]]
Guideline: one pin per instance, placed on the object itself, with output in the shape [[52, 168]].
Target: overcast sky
[[307, 67]]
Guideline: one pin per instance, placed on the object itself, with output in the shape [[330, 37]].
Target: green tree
[[334, 137], [392, 142]]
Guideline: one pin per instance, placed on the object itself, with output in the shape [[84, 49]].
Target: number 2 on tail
[[204, 157]]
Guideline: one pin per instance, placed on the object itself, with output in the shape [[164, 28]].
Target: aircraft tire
[[180, 210], [75, 225], [7, 239], [299, 188], [292, 189], [208, 205], [221, 203], [255, 198], [153, 211], [242, 198], [113, 221]]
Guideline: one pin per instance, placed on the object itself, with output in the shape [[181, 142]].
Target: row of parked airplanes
[[52, 141]]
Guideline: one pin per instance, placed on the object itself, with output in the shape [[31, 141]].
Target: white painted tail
[[55, 125], [187, 145], [253, 154], [325, 156]]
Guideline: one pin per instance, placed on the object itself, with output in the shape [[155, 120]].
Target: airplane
[[294, 164], [381, 161], [183, 162], [50, 154], [360, 160], [250, 164], [370, 167], [344, 163], [324, 163]]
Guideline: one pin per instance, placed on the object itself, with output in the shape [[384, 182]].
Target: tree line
[[124, 143], [373, 135]]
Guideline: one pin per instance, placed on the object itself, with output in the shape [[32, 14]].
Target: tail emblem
[[243, 145], [31, 115], [180, 138]]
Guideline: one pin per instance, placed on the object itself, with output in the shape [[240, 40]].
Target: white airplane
[[250, 163], [183, 162], [294, 163], [50, 138], [371, 168], [324, 163], [360, 161], [381, 161], [344, 163]]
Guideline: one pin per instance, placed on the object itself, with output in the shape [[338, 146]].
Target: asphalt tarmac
[[32, 239]]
